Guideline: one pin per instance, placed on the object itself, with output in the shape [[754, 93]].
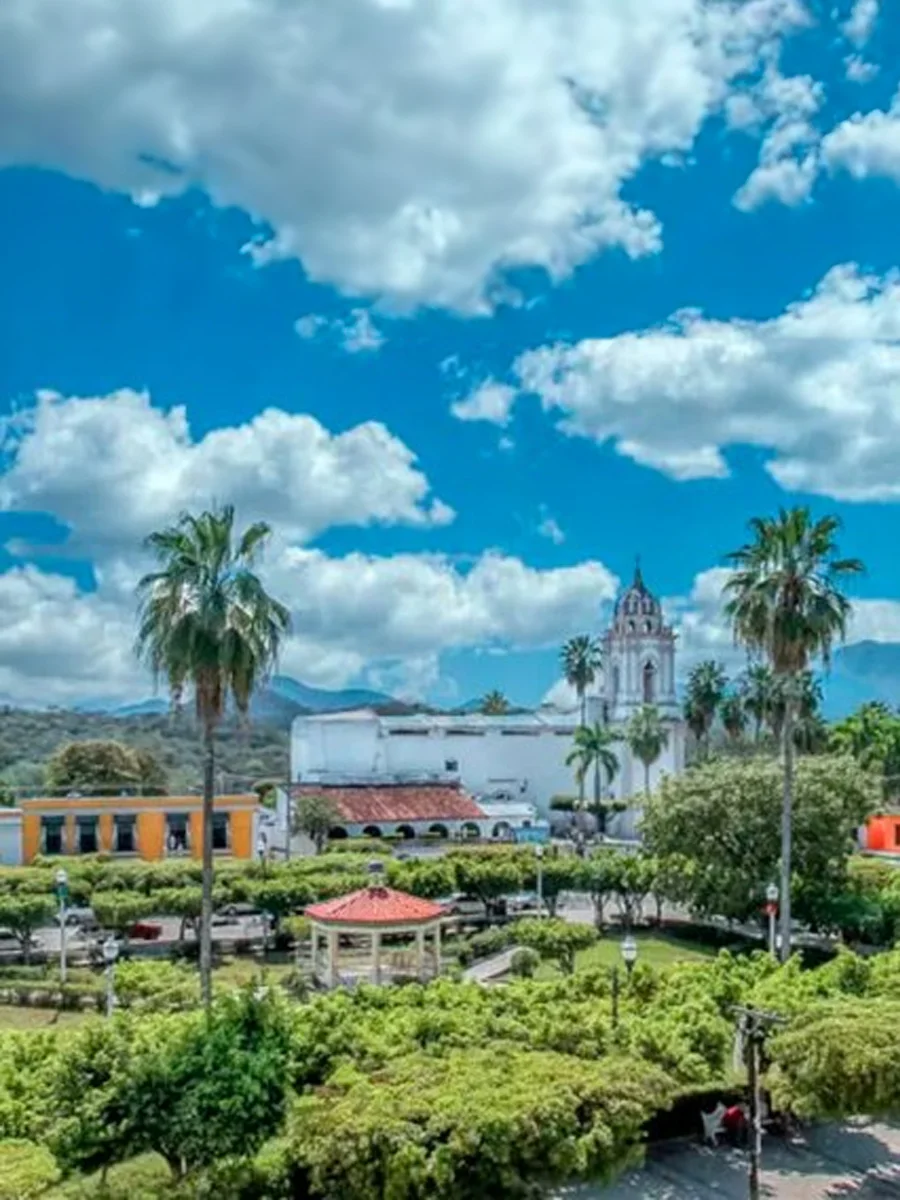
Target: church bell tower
[[638, 656]]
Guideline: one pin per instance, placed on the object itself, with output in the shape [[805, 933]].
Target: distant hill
[[244, 756], [277, 703], [861, 672]]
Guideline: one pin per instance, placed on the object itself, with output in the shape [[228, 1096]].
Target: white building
[[516, 757]]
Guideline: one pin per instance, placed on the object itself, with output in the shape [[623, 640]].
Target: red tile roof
[[369, 804], [375, 906]]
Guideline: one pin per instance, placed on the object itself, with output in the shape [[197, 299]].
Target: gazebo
[[372, 913]]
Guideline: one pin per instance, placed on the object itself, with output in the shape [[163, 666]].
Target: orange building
[[149, 827], [883, 833]]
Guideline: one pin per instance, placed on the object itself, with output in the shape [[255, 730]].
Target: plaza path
[[859, 1161]]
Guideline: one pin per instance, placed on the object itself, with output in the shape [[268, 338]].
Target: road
[[860, 1159]]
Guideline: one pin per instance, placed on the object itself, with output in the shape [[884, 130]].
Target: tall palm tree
[[757, 690], [206, 623], [785, 603], [593, 751], [705, 688], [582, 658], [733, 712], [494, 704], [647, 737]]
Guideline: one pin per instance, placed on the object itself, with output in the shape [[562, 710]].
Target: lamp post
[[539, 855], [62, 896], [110, 954], [629, 953], [771, 912]]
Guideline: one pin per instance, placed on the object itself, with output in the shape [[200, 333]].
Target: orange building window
[[52, 835]]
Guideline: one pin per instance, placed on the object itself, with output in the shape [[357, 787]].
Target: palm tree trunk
[[206, 902], [582, 701], [646, 779], [598, 812], [787, 822]]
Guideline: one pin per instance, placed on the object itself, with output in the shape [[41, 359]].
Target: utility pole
[[754, 1024]]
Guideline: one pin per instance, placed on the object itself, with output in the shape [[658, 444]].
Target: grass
[[13, 1017], [238, 972], [657, 949]]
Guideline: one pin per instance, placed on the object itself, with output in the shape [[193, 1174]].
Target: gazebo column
[[420, 952], [437, 949], [332, 960], [376, 955]]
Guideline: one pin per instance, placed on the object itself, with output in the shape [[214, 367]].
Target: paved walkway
[[858, 1161], [489, 968]]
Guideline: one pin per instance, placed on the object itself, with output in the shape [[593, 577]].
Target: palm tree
[[647, 737], [733, 711], [207, 623], [494, 704], [785, 603], [582, 658], [593, 750], [757, 690], [705, 689]]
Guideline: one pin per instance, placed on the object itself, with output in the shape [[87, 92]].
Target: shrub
[[26, 1170], [146, 1177], [525, 963], [156, 985], [489, 941]]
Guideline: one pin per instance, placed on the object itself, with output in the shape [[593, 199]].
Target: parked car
[[145, 931], [81, 920], [521, 903], [233, 914]]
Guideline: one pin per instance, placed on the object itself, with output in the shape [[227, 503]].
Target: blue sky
[[437, 233]]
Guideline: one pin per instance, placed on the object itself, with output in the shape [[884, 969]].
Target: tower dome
[[637, 610]]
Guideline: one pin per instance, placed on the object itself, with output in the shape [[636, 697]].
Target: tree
[[494, 704], [756, 690], [207, 623], [582, 659], [118, 911], [872, 736], [647, 736], [733, 712], [705, 688], [315, 816], [785, 603], [554, 940], [593, 751], [22, 915], [104, 767], [720, 821]]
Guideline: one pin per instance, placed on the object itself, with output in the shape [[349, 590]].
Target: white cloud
[[58, 645], [549, 528], [866, 144], [859, 25], [818, 385], [788, 157], [408, 151], [114, 468], [354, 333], [387, 620], [490, 401], [857, 70]]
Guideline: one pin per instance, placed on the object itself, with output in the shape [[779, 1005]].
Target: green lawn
[[13, 1017], [657, 949], [238, 972]]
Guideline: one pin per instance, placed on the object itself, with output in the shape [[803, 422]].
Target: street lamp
[[629, 953], [539, 855], [771, 911], [110, 954], [62, 896]]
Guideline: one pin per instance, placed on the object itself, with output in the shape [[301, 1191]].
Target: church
[[518, 758]]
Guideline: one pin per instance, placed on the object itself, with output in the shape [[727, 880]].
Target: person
[[734, 1120]]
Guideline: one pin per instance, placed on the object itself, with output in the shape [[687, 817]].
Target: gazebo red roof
[[375, 906]]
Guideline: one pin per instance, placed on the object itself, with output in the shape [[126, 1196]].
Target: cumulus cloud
[[818, 385], [113, 468], [867, 144], [408, 151], [387, 620], [788, 157], [859, 25], [355, 333], [490, 401]]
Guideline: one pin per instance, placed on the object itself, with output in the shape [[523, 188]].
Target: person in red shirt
[[734, 1120]]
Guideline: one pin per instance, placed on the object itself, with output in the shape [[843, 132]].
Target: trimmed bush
[[26, 1170]]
